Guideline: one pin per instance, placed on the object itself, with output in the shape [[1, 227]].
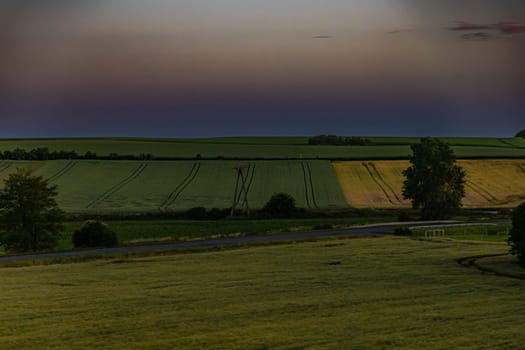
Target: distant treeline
[[44, 153], [335, 140]]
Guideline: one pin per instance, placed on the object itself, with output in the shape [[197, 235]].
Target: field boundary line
[[172, 197], [70, 165], [104, 196], [507, 143], [377, 182], [312, 188]]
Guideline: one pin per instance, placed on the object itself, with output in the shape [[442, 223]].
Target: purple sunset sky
[[201, 68]]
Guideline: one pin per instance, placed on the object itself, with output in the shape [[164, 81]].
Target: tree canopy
[[30, 218], [517, 234], [281, 205], [94, 234], [521, 134], [434, 182]]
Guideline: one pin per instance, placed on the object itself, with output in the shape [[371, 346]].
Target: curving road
[[368, 230]]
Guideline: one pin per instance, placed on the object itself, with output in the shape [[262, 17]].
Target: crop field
[[378, 184], [367, 293], [268, 147], [151, 186], [375, 184]]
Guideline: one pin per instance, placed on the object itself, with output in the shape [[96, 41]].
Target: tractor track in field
[[312, 188], [472, 262], [104, 196], [307, 197], [383, 185], [382, 179], [70, 165], [489, 197], [251, 175], [173, 195], [4, 166], [308, 186]]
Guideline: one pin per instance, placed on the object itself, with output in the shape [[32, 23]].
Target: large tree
[[521, 134], [434, 182], [30, 218], [517, 234]]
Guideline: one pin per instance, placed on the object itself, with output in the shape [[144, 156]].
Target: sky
[[201, 68]]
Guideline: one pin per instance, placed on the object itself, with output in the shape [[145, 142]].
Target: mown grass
[[381, 293]]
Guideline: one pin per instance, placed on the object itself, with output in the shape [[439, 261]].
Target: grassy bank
[[131, 232]]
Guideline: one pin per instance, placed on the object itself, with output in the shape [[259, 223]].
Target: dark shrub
[[324, 227], [197, 213], [404, 216], [281, 205], [517, 234], [94, 234], [217, 214], [403, 231]]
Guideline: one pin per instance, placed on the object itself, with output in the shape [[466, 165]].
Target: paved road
[[371, 230]]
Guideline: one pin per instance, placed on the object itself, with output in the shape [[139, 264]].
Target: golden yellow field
[[377, 184]]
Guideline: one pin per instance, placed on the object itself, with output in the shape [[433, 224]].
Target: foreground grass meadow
[[366, 293]]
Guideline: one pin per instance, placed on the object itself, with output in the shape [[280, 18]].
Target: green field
[[374, 293], [134, 186], [104, 186], [268, 147], [124, 187]]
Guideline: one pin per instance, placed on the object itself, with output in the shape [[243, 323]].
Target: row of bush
[[43, 153], [335, 140], [97, 234]]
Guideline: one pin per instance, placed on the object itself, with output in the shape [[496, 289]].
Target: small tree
[[281, 205], [434, 182], [517, 234], [94, 234], [521, 134], [30, 218]]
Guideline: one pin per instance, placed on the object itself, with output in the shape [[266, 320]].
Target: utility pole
[[240, 195]]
